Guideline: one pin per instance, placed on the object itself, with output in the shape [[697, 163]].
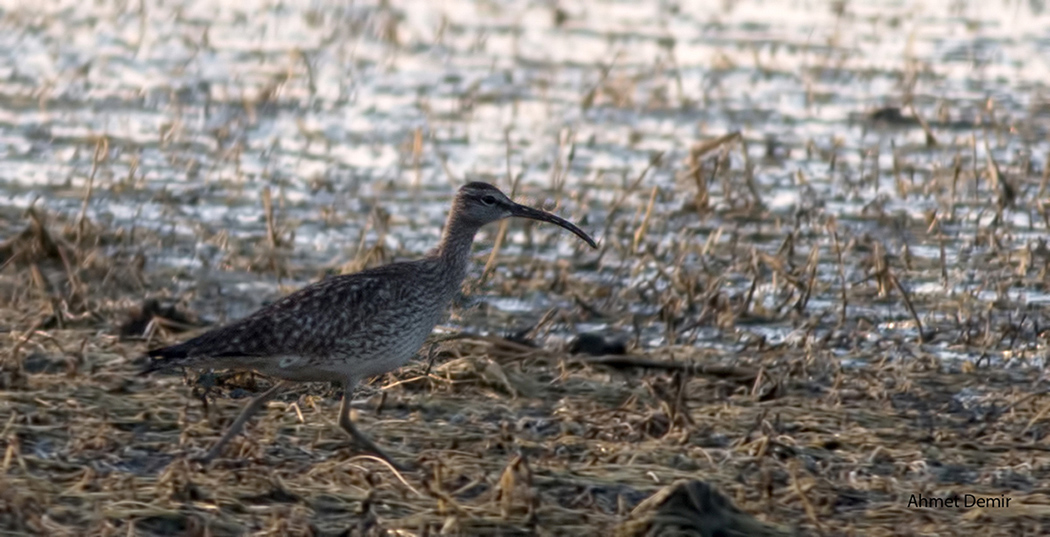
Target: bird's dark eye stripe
[[488, 199]]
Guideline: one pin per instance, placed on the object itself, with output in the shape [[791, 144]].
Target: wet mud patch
[[820, 291]]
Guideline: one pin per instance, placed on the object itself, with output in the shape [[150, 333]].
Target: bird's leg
[[359, 438], [253, 406]]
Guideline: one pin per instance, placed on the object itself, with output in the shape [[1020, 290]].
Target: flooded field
[[821, 285]]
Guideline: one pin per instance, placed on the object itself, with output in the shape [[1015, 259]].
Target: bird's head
[[481, 203]]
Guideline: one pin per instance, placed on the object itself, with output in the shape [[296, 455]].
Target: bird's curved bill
[[525, 211]]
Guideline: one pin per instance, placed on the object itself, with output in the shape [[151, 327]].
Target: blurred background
[[822, 235], [361, 119]]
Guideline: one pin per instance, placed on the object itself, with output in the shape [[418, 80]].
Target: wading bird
[[351, 327]]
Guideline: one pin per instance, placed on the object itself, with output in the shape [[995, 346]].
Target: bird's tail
[[163, 358]]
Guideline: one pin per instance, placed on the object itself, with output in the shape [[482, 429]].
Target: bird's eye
[[488, 200]]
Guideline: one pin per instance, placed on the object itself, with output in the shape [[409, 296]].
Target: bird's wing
[[310, 322]]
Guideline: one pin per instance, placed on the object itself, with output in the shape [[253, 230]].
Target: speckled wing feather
[[320, 320]]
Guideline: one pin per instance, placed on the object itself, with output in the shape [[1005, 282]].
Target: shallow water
[[349, 112]]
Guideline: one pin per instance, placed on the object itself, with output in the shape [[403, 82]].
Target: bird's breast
[[396, 326]]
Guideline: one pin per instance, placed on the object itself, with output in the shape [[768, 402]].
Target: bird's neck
[[454, 248]]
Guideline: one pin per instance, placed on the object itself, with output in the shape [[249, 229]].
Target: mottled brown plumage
[[348, 328]]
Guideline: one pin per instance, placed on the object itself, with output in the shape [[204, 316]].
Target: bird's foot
[[199, 456], [399, 466], [373, 452], [202, 458]]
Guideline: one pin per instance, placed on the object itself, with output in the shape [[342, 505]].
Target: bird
[[348, 328]]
